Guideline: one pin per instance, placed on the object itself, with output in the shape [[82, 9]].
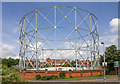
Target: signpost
[[118, 69], [117, 64], [103, 64]]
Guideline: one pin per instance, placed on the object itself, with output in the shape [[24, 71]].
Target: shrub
[[109, 73], [38, 77], [62, 75], [52, 77], [48, 77], [9, 75], [100, 73], [45, 78], [70, 77]]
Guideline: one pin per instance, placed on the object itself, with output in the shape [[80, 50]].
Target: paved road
[[108, 79]]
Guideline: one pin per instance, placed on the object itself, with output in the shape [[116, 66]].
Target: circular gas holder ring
[[59, 36]]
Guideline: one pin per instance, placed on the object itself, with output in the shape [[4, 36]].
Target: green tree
[[9, 75], [73, 63], [10, 62], [38, 77], [62, 75], [66, 65], [101, 59], [111, 55], [47, 65]]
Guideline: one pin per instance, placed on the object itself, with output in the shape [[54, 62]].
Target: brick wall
[[83, 73]]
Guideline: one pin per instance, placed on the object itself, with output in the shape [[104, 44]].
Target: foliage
[[66, 65], [48, 77], [52, 77], [73, 63], [45, 78], [29, 66], [10, 62], [101, 59], [9, 75], [38, 77], [70, 76], [111, 55], [47, 65], [101, 73], [62, 75]]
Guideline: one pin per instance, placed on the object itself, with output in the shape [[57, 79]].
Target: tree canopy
[[111, 54], [10, 62], [9, 75]]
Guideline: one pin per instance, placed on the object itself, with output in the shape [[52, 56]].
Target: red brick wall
[[83, 73]]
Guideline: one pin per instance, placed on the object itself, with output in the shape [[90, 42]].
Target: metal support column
[[75, 38], [24, 42], [55, 35], [91, 39], [36, 42], [104, 60], [98, 44], [87, 56], [20, 44]]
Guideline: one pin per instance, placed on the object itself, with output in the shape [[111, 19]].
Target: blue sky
[[12, 13]]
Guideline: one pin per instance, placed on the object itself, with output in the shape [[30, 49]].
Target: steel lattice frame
[[82, 41]]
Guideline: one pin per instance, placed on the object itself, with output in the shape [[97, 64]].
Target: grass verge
[[90, 77]]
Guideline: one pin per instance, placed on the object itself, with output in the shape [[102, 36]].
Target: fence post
[[81, 73], [91, 73]]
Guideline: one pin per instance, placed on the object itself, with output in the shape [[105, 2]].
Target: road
[[108, 79]]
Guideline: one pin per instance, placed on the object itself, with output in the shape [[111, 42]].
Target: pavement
[[108, 79]]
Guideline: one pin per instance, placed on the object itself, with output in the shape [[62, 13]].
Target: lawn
[[90, 77]]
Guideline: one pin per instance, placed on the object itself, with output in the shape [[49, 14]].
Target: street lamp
[[104, 58]]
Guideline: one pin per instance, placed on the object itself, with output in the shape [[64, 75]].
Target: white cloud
[[16, 57], [67, 54], [8, 51], [60, 54], [15, 30], [114, 25], [33, 46], [109, 40]]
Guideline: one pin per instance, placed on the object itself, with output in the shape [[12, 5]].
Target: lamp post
[[104, 58]]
